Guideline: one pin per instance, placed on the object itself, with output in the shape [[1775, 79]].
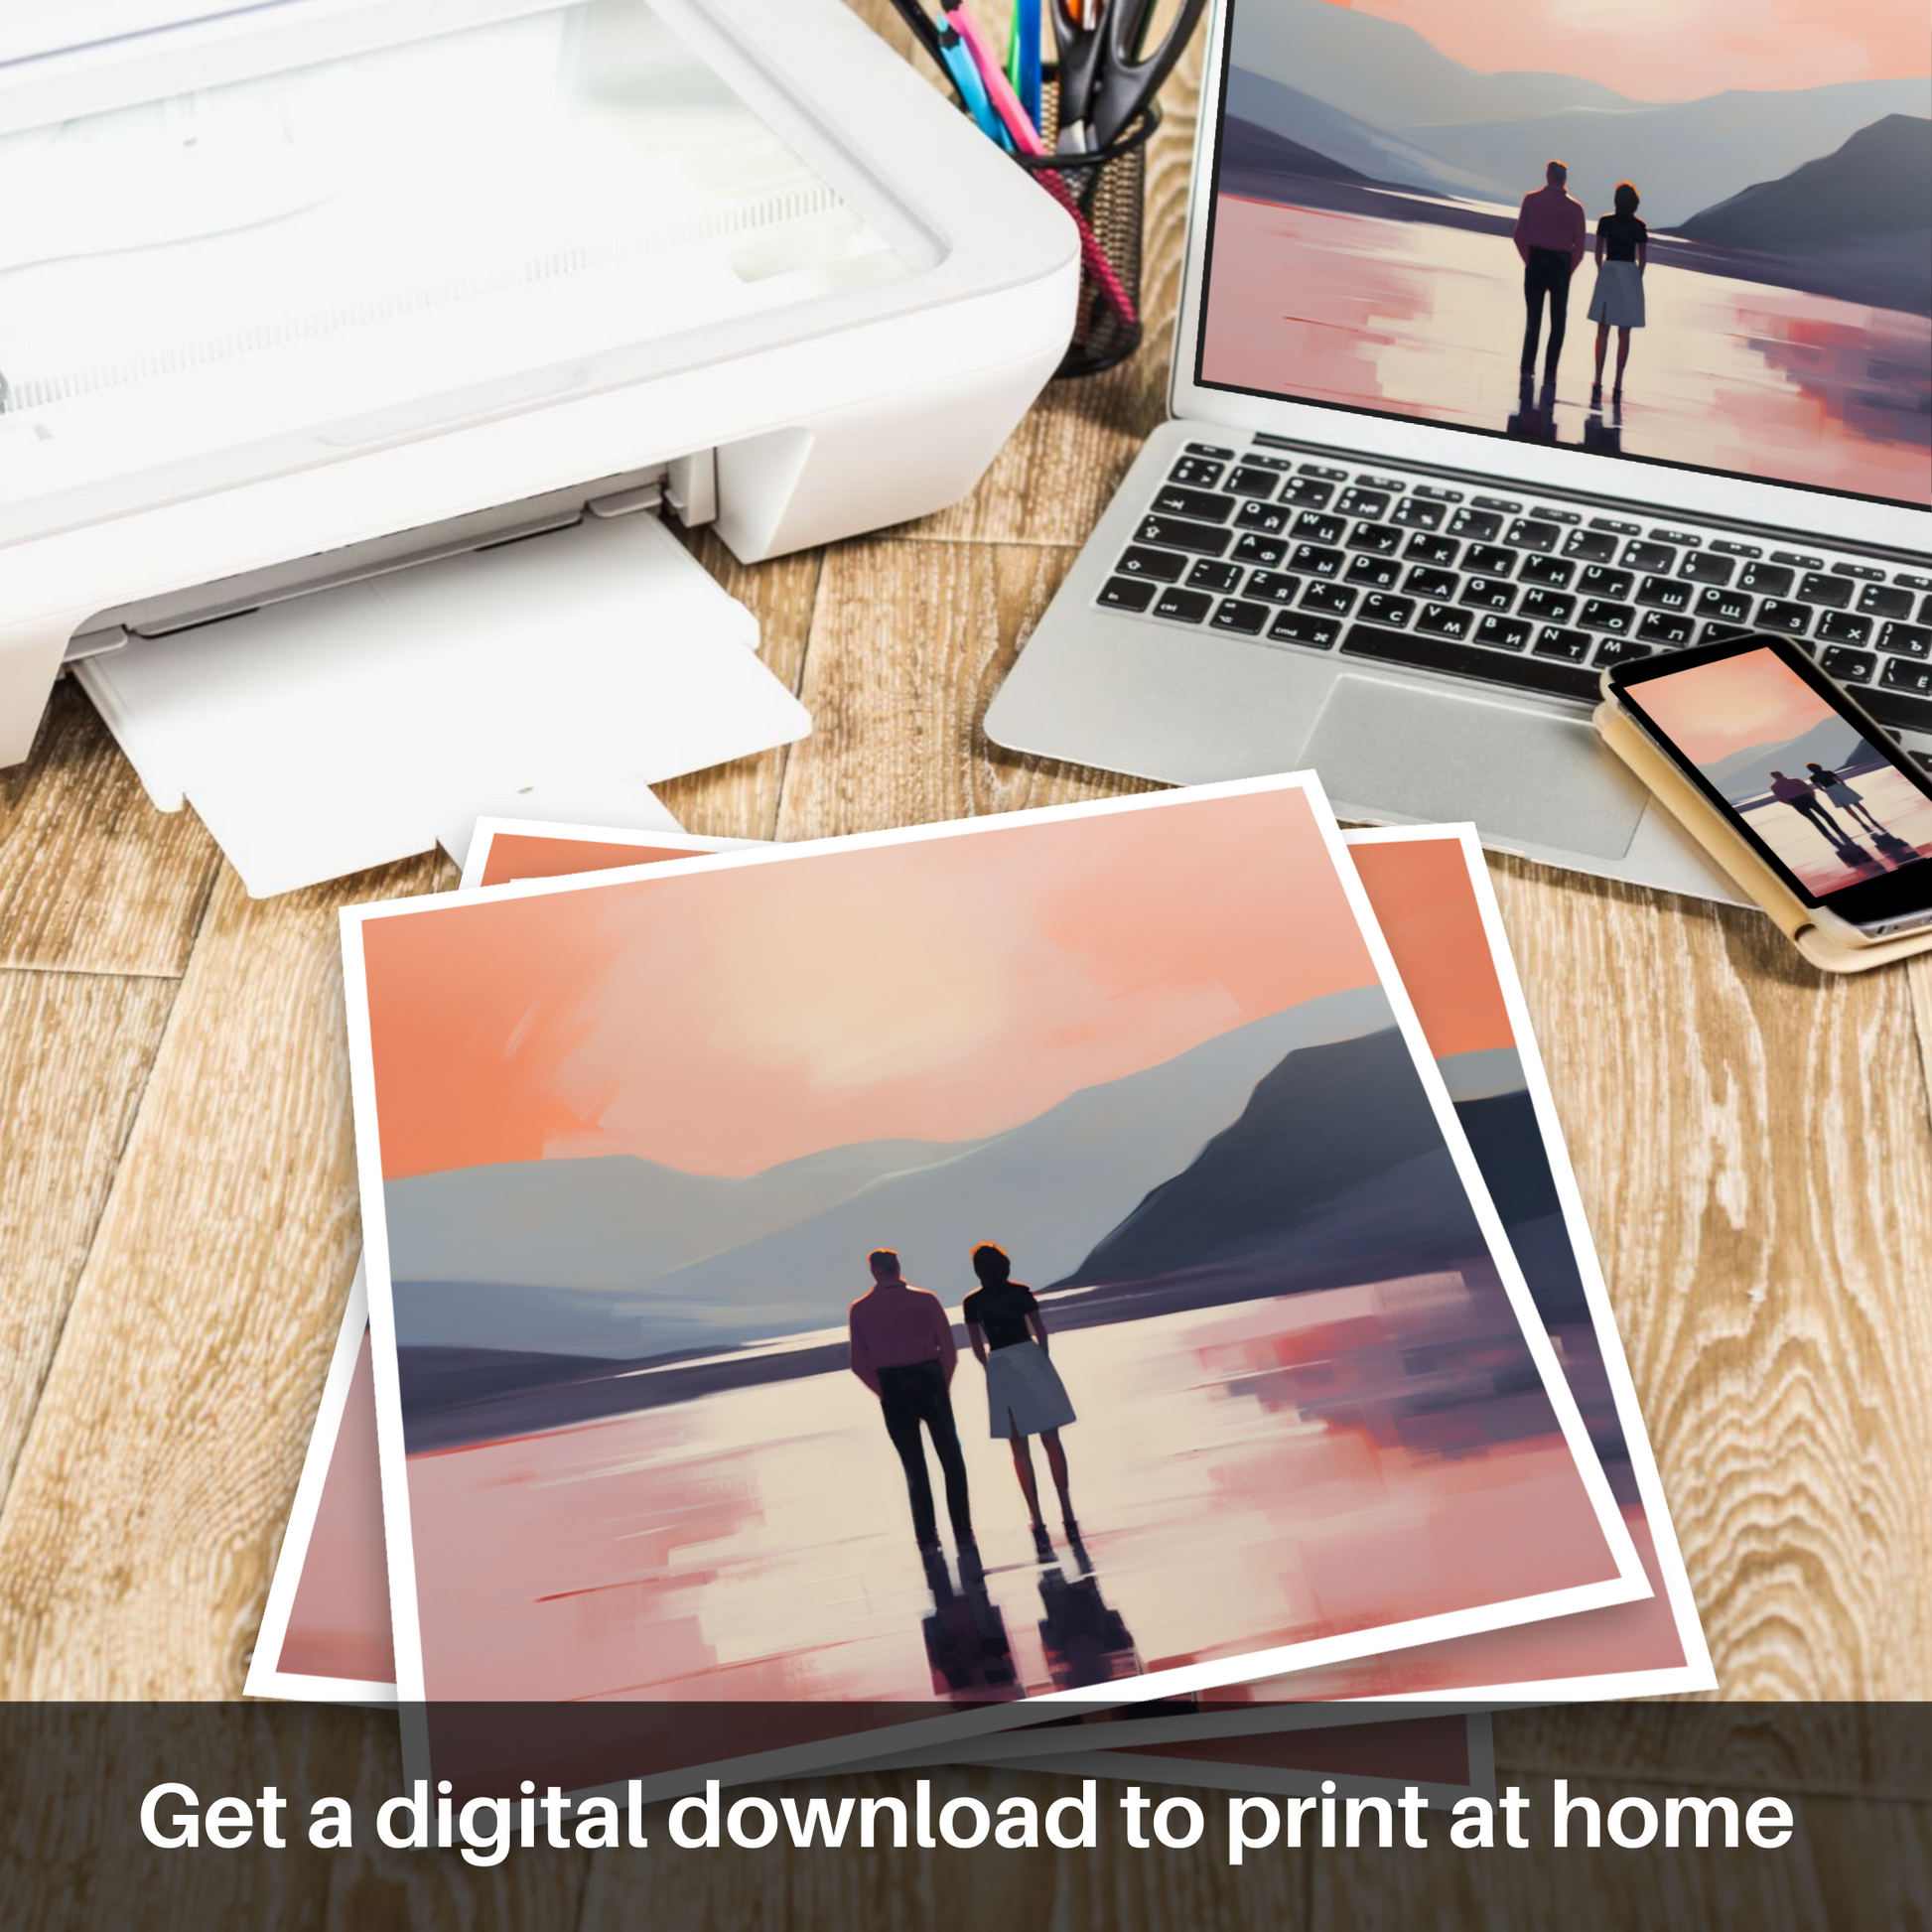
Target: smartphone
[[1788, 760]]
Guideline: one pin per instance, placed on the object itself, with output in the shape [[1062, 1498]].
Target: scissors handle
[[1127, 77]]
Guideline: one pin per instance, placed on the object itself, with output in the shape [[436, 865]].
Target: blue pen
[[1026, 80], [965, 77]]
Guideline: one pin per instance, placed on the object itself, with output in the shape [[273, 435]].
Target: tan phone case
[[1733, 854]]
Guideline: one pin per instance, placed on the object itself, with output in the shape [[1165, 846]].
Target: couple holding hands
[[902, 1350]]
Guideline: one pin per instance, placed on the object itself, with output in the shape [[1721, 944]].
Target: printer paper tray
[[556, 677]]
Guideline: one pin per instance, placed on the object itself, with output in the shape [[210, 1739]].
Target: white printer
[[297, 296]]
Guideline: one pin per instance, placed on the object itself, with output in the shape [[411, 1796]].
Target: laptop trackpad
[[1389, 748]]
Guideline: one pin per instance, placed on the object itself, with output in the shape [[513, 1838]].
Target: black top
[[1622, 235], [1001, 1313]]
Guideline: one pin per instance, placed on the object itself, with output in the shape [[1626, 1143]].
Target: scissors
[[1107, 75]]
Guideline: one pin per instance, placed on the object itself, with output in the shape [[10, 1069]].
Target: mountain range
[[1393, 108], [1745, 774], [1880, 183], [621, 1257]]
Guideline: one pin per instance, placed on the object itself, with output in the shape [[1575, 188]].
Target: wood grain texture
[[908, 645], [74, 1054], [93, 878], [136, 1537], [1850, 1868], [1752, 1144]]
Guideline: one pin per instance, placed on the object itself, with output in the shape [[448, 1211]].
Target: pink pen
[[1026, 137]]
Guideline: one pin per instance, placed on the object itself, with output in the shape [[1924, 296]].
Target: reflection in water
[[1600, 435], [966, 1635], [1535, 417], [1085, 1639]]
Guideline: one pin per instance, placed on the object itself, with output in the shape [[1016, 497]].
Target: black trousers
[[908, 1397], [1820, 817], [1546, 272]]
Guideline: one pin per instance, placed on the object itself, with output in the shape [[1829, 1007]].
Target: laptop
[[1368, 542]]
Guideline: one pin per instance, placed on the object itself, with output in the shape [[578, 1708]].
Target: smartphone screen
[[1821, 794]]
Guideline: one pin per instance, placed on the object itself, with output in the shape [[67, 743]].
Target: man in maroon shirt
[[1550, 239], [902, 1350]]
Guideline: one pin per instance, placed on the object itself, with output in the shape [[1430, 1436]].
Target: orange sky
[[1674, 50], [1716, 708], [1427, 909], [939, 990]]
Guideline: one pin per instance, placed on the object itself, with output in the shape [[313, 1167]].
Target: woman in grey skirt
[[1622, 248], [1023, 1392]]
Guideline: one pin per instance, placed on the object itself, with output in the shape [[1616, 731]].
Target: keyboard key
[[1726, 607], [1453, 497], [1835, 593], [1906, 640], [1419, 513], [1903, 674], [1489, 560], [1379, 573], [1254, 549], [1328, 471], [1425, 549], [1666, 628], [1529, 533], [1314, 561], [1616, 526], [1331, 598], [1276, 586], [1382, 538], [1842, 628], [1926, 612], [1665, 594], [1445, 620], [1910, 581], [1700, 567], [1554, 516], [1128, 593], [1175, 533], [1554, 641], [1247, 481], [1270, 518], [1162, 565], [1553, 571], [1300, 627], [1730, 550], [1546, 607], [1619, 651], [1477, 523], [1312, 527], [1599, 582], [1489, 595], [1778, 614], [1722, 634], [1280, 465], [1208, 575], [1305, 492], [1897, 710], [1196, 472], [1589, 546], [1171, 499], [1507, 504], [1390, 484], [1876, 601], [1362, 502], [1797, 559], [1675, 536], [1600, 613], [1183, 607], [1210, 448], [1248, 619], [1502, 633], [1431, 583], [1434, 651], [1394, 612], [1767, 579], [1848, 666]]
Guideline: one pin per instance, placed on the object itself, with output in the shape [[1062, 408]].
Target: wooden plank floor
[[178, 1215]]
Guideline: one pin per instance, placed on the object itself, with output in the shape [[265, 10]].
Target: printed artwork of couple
[[1550, 239], [1807, 796], [902, 1350]]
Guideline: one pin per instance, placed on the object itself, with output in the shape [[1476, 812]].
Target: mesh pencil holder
[[1105, 192]]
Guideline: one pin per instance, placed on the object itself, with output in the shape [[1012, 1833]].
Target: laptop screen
[[1694, 234]]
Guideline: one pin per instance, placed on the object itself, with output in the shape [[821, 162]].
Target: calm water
[[1233, 1470], [1428, 320]]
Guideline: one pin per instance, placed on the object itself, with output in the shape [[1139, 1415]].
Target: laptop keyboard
[[1530, 594]]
